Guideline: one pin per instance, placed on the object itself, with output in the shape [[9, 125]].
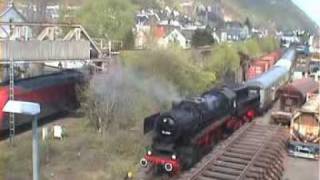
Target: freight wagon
[[291, 97], [262, 64]]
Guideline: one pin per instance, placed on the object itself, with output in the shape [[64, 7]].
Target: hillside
[[282, 14]]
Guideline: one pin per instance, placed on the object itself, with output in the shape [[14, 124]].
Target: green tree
[[146, 3], [253, 47], [107, 18], [248, 23], [202, 38], [223, 61]]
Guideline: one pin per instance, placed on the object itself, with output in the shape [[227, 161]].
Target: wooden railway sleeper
[[275, 166], [270, 156], [250, 144], [273, 169], [274, 160], [237, 155], [275, 149], [225, 170], [273, 174], [218, 175], [238, 146], [229, 164], [246, 149], [234, 160]]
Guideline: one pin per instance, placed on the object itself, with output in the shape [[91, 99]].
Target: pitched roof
[[5, 8], [187, 34]]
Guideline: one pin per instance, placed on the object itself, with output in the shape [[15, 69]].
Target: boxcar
[[256, 68], [262, 64]]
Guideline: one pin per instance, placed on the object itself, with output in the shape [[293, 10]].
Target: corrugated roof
[[301, 86]]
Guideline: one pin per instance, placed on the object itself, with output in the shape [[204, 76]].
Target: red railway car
[[291, 97], [55, 92], [262, 64], [256, 68]]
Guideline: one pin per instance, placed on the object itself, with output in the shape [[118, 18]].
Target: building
[[141, 39], [231, 31], [9, 13], [175, 37]]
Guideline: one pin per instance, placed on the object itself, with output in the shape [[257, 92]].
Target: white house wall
[[15, 17], [175, 36]]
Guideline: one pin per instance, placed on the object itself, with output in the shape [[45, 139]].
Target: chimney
[[10, 3]]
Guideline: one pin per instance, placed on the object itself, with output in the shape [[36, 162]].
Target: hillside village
[[162, 26]]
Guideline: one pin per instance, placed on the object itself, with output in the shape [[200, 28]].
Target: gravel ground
[[301, 169]]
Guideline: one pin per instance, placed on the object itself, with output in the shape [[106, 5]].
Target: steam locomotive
[[181, 136], [192, 127]]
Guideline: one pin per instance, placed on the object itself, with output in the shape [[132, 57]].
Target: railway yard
[[257, 150]]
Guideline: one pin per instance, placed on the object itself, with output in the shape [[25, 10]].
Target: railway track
[[253, 152]]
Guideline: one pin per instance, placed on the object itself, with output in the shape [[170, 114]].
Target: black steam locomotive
[[192, 127]]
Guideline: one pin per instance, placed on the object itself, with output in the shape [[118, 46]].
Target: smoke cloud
[[121, 83]]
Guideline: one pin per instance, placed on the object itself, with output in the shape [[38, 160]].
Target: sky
[[311, 8]]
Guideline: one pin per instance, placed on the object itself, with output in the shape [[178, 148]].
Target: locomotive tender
[[183, 135]]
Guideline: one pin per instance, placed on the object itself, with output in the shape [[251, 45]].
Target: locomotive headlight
[[168, 167], [149, 152], [173, 157], [168, 120], [165, 120]]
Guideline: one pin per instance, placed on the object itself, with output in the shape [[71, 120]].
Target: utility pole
[[35, 149]]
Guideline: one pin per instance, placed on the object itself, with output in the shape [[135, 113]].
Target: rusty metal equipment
[[305, 130]]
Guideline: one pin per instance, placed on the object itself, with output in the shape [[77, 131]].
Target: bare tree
[[37, 10]]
